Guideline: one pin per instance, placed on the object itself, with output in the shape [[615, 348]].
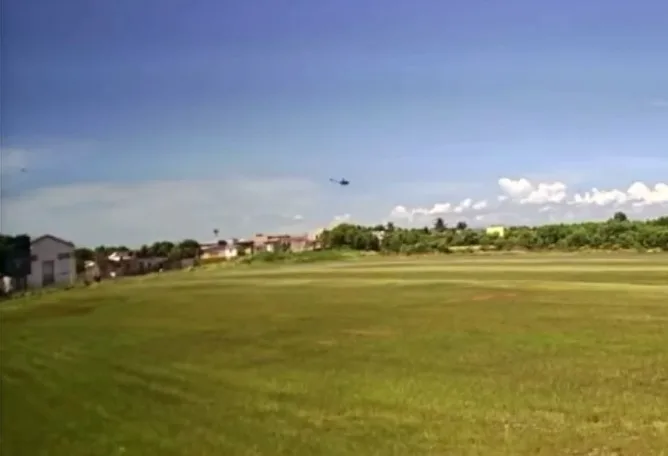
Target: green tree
[[175, 253], [189, 248], [620, 217], [15, 255], [161, 249], [144, 251], [461, 226]]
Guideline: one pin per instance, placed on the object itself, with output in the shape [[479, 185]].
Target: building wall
[[62, 255], [298, 245], [227, 252], [146, 264], [187, 263], [208, 254], [275, 243], [498, 230], [230, 252]]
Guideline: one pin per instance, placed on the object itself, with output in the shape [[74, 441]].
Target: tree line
[[614, 234], [186, 249]]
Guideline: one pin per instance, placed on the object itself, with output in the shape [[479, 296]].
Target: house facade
[[53, 262], [282, 242], [300, 244], [128, 263], [227, 250], [221, 250], [270, 242]]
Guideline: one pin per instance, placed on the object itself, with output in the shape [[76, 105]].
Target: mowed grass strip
[[420, 271], [355, 361]]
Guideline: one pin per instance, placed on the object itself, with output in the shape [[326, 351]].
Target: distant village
[[52, 261], [56, 261]]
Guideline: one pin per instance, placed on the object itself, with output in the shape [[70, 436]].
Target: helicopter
[[342, 182]]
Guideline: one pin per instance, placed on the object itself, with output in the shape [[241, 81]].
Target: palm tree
[[215, 232]]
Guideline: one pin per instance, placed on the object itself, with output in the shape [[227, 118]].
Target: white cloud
[[638, 193], [659, 103], [402, 212], [599, 198], [515, 188], [641, 193], [464, 205], [480, 205], [527, 193], [554, 192], [298, 217], [437, 210]]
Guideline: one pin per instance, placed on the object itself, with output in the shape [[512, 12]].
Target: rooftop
[[53, 238]]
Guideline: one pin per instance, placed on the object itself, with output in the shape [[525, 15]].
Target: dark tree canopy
[[620, 217], [15, 255]]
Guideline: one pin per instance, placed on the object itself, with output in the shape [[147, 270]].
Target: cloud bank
[[523, 201]]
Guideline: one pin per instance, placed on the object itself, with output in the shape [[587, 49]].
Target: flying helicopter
[[342, 182]]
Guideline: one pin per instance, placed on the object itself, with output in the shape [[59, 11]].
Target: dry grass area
[[538, 354]]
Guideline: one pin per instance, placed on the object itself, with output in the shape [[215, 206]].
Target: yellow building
[[500, 231]]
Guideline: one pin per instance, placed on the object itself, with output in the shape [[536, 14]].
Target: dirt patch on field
[[371, 332], [327, 343], [47, 311], [494, 296]]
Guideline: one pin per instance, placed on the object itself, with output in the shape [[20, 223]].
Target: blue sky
[[146, 119]]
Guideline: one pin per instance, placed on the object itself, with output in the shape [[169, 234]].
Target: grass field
[[531, 354]]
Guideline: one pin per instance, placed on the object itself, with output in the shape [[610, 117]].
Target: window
[[64, 256]]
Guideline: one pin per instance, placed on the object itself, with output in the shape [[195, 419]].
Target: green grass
[[529, 354]]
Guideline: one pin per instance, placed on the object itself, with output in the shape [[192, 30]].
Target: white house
[[53, 262], [119, 256], [227, 250]]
